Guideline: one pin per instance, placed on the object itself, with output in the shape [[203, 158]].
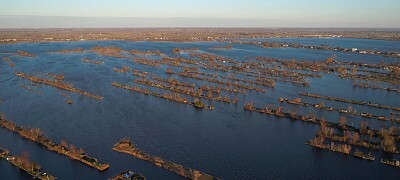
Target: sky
[[208, 13]]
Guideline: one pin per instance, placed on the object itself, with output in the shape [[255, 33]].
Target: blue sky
[[313, 13]]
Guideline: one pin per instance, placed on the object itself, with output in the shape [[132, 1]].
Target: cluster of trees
[[24, 162], [111, 51], [394, 72], [198, 103], [71, 148]]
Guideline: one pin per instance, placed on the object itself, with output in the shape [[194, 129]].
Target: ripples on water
[[228, 142]]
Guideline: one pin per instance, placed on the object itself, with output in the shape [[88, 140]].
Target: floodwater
[[228, 143]]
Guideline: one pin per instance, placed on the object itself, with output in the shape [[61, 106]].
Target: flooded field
[[221, 139]]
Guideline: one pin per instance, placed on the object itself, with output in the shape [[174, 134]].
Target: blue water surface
[[228, 142]]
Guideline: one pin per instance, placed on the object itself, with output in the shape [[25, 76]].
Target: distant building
[[354, 49]]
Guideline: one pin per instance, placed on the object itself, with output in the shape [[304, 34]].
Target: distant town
[[186, 34]]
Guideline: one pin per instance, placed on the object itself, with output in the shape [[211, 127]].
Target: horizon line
[[206, 27], [176, 17]]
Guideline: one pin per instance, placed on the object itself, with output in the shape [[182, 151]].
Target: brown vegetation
[[125, 146], [36, 135]]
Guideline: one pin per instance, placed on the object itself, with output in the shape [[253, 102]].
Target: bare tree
[[64, 143], [342, 121], [371, 134]]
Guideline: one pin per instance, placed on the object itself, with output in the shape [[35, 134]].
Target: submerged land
[[224, 78]]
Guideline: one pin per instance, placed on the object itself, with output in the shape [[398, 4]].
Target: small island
[[37, 136], [125, 146], [23, 163]]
